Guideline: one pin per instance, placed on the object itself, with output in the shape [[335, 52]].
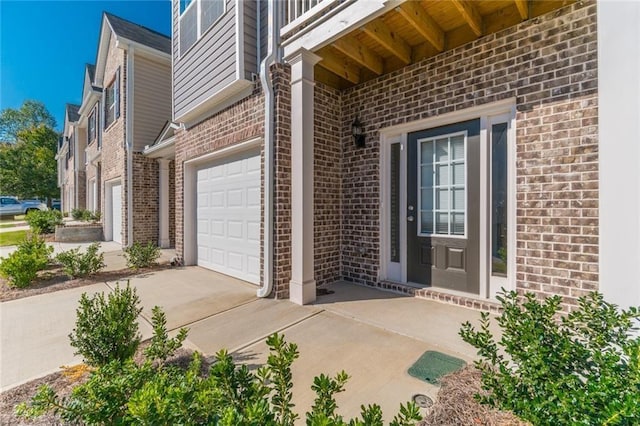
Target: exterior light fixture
[[357, 130]]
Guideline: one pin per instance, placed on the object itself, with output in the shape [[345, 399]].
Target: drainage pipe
[[267, 87], [129, 141]]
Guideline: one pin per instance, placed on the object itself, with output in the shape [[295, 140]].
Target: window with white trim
[[92, 126], [443, 189], [196, 17], [112, 101]]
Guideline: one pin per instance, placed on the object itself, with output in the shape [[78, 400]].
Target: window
[[196, 17], [442, 181], [499, 198], [92, 126], [112, 101]]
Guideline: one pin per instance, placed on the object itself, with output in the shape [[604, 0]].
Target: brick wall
[[549, 65], [282, 184], [327, 184], [146, 201]]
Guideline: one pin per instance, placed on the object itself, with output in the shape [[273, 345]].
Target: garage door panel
[[229, 221]]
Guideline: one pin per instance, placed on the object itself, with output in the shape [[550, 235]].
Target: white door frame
[[397, 271], [189, 243], [108, 208]]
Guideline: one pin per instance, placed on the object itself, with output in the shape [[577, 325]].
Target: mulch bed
[[54, 279], [456, 406]]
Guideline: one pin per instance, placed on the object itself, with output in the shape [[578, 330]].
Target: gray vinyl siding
[[264, 28], [250, 38], [151, 100], [208, 66]]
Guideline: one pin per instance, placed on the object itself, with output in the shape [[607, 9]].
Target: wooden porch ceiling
[[418, 29]]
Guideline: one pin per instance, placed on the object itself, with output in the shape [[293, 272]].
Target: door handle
[[410, 218]]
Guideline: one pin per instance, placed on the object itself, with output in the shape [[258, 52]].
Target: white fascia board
[[103, 48], [222, 99], [165, 149], [142, 49], [327, 29]]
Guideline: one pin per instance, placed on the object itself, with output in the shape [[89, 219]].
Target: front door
[[443, 206]]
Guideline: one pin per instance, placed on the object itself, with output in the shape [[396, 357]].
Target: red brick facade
[[547, 64]]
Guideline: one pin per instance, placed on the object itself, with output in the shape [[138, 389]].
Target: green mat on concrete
[[432, 365]]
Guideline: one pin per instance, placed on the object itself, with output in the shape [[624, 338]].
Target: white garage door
[[228, 216], [116, 212]]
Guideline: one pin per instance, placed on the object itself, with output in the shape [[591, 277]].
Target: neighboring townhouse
[[127, 97], [447, 149], [90, 120], [71, 161]]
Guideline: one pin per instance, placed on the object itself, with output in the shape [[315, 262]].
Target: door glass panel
[[499, 199], [426, 154], [442, 150], [442, 199], [442, 223], [457, 223], [427, 175], [457, 196], [457, 147], [426, 199], [443, 185], [395, 203], [442, 175], [426, 221], [458, 174]]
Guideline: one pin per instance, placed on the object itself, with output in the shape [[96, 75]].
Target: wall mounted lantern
[[357, 130]]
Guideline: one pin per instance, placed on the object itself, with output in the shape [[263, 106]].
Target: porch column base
[[302, 293]]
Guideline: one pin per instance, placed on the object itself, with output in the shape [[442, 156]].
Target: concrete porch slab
[[247, 324], [375, 359], [428, 321], [190, 294]]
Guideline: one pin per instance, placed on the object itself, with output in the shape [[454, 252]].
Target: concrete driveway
[[374, 336]]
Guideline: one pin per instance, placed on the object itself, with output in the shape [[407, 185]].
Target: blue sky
[[44, 46]]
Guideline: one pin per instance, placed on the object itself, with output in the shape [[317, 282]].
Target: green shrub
[[124, 393], [77, 264], [21, 267], [44, 221], [76, 214], [553, 369], [139, 256], [95, 216], [107, 328]]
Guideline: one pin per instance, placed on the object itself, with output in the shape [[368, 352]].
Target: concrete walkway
[[374, 336]]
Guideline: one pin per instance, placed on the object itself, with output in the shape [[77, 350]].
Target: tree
[[31, 114], [28, 168]]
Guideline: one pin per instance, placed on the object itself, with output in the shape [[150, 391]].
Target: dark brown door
[[443, 204]]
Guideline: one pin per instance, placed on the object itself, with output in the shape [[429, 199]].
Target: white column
[[619, 152], [163, 211], [302, 288]]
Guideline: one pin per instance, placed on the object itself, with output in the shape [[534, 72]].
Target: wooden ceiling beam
[[339, 66], [523, 9], [415, 14], [380, 32], [359, 53], [470, 15]]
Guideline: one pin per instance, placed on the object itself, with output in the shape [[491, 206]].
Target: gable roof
[[72, 112], [138, 33]]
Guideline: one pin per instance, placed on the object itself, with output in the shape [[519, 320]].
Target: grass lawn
[[11, 238]]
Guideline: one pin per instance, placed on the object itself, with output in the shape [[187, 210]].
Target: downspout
[[267, 87], [129, 142]]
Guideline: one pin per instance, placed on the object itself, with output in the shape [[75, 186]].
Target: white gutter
[[129, 142], [265, 79]]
